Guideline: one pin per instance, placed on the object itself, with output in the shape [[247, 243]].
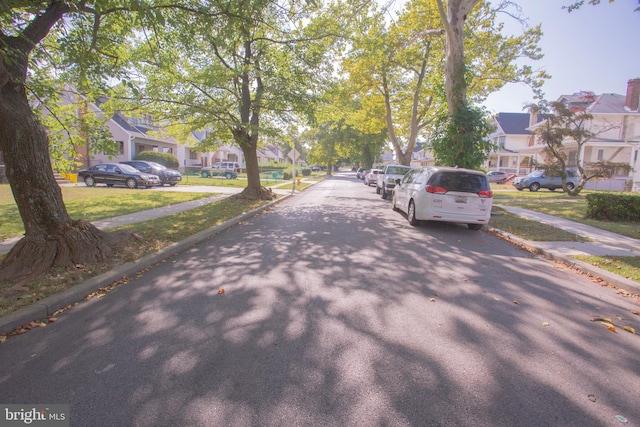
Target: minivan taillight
[[435, 190], [486, 193]]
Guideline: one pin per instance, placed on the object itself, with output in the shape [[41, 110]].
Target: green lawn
[[93, 204], [559, 204]]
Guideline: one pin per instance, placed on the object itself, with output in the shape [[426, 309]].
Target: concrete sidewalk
[[603, 243]]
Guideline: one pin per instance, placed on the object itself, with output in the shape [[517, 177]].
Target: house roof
[[608, 103], [514, 123]]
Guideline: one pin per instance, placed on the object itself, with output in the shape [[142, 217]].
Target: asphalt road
[[336, 312]]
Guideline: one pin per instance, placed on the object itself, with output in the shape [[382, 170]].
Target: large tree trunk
[[51, 238], [453, 19], [254, 189]]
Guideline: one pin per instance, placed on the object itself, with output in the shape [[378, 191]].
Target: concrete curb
[[40, 310], [611, 278]]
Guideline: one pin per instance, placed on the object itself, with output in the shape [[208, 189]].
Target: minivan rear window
[[459, 181]]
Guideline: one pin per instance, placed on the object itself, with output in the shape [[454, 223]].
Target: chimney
[[533, 116], [633, 93]]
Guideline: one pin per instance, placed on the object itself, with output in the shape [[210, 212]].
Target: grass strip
[[153, 236], [530, 230], [625, 266]]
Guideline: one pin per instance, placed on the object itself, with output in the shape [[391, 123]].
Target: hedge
[[613, 207], [166, 159]]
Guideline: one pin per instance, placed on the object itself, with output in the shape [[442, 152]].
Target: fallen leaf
[[545, 323], [629, 329], [516, 302], [3, 338], [637, 313], [432, 299], [221, 291]]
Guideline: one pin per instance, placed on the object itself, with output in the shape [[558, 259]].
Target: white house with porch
[[616, 121]]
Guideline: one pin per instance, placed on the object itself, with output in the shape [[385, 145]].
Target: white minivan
[[445, 194]]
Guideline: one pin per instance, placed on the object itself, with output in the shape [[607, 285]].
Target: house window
[[502, 141], [193, 155], [573, 158], [600, 155]]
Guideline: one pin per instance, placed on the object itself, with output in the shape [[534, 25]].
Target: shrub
[[166, 159], [306, 172], [613, 207]]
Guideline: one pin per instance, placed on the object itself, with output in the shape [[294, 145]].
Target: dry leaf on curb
[[221, 291], [545, 323], [432, 299], [629, 329]]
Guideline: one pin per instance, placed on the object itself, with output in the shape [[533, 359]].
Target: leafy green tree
[[472, 125], [251, 76], [563, 124], [40, 43], [578, 4], [400, 69]]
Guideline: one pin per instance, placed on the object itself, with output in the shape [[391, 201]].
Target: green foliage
[[461, 140], [613, 207], [166, 159]]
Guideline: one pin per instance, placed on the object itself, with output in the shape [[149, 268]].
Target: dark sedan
[[166, 175], [117, 174]]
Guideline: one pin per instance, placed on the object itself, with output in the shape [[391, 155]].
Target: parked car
[[541, 179], [370, 177], [444, 194], [210, 172], [361, 172], [497, 176], [228, 166], [166, 175], [386, 180], [117, 174]]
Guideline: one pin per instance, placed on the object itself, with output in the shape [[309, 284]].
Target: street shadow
[[337, 314]]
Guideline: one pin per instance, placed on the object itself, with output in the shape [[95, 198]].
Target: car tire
[[173, 184], [205, 174], [109, 185], [377, 190], [534, 187], [384, 194], [411, 214], [89, 181], [228, 175], [131, 183], [474, 226], [570, 186]]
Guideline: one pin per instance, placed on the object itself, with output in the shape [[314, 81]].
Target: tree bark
[[453, 19], [51, 237]]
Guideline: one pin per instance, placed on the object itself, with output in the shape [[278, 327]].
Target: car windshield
[[128, 169], [157, 165], [460, 181], [397, 170], [536, 174]]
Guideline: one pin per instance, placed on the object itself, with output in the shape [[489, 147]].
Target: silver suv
[[386, 180]]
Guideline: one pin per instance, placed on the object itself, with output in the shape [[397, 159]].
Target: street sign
[[293, 154]]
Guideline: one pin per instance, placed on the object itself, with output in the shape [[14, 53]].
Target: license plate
[[461, 199]]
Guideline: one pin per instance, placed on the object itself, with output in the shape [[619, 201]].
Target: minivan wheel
[[131, 183], [377, 190], [534, 187], [384, 194], [570, 186], [411, 214], [474, 226]]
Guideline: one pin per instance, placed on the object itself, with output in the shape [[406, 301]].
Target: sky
[[594, 48]]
